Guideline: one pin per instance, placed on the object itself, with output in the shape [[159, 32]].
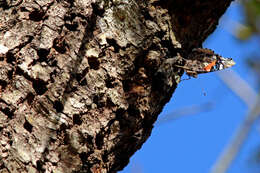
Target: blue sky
[[194, 142]]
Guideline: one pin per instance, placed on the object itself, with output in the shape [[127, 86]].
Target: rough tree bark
[[83, 81]]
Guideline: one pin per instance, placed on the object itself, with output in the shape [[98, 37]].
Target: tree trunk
[[82, 82]]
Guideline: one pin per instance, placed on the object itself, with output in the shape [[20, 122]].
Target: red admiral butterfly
[[204, 61]]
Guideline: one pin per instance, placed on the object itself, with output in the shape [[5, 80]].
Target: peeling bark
[[82, 82]]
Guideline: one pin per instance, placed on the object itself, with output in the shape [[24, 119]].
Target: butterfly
[[202, 60]]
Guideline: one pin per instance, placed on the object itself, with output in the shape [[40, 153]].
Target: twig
[[244, 91]]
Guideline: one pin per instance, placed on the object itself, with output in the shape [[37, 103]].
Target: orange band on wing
[[208, 67]]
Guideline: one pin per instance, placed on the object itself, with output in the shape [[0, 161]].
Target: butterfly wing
[[205, 61]]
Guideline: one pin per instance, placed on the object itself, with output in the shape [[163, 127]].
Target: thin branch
[[239, 86], [186, 111], [244, 91], [231, 151]]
